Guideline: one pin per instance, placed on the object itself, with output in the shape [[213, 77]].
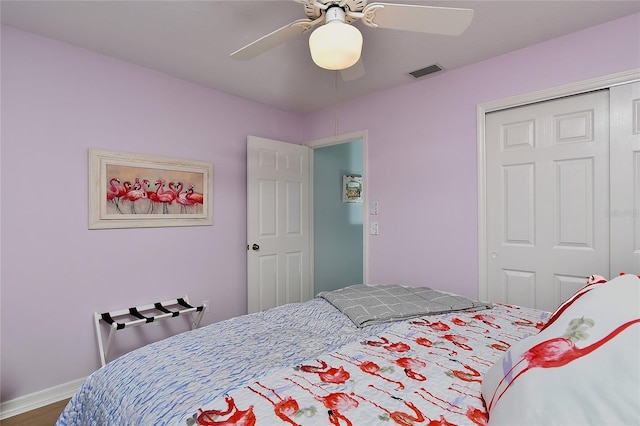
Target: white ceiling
[[192, 40]]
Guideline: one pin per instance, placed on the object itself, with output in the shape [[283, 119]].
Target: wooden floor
[[44, 416]]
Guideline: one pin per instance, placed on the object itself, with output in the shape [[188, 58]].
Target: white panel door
[[547, 198], [624, 213], [278, 262]]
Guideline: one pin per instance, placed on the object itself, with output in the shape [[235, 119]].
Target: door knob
[[255, 247]]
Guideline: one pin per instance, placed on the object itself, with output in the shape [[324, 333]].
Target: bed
[[349, 358]]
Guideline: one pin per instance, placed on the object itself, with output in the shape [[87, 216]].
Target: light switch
[[373, 208]]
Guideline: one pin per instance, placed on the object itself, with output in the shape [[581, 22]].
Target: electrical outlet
[[373, 208], [373, 228]]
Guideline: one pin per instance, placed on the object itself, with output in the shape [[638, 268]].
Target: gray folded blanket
[[367, 305]]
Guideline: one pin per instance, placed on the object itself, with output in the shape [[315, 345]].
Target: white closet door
[[547, 194], [624, 213]]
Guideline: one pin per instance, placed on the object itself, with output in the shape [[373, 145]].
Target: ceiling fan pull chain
[[336, 103], [335, 100]]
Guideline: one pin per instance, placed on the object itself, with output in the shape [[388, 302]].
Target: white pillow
[[583, 368]]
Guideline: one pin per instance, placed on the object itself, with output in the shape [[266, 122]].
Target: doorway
[[280, 217], [338, 222], [349, 153]]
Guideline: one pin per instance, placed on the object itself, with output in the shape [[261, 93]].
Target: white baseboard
[[39, 399]]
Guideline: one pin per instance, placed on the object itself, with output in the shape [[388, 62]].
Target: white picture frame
[[129, 190]]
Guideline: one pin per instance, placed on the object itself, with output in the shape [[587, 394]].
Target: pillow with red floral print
[[583, 368]]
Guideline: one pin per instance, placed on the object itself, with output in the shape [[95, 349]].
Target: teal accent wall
[[338, 226]]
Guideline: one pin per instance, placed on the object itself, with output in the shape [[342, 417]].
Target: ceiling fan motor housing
[[334, 13], [316, 8]]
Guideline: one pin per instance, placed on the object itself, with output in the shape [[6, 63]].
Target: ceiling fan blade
[[426, 19], [274, 39], [353, 72]]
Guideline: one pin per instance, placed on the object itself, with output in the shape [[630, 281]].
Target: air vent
[[425, 71]]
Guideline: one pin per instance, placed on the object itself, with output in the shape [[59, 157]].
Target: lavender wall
[[58, 101], [422, 149]]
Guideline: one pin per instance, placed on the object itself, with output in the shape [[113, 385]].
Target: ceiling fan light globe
[[335, 46]]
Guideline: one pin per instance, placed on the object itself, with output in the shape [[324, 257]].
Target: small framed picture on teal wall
[[351, 189]]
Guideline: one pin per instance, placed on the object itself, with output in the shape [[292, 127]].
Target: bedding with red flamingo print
[[424, 371], [583, 368]]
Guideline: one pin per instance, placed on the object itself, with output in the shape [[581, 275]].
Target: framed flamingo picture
[[144, 191]]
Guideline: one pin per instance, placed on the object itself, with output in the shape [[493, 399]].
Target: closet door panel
[[547, 189], [624, 211]]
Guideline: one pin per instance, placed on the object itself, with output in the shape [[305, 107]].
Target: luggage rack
[[138, 315]]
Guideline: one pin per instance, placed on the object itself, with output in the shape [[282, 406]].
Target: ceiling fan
[[337, 44]]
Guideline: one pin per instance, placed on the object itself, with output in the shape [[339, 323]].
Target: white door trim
[[514, 101], [334, 140]]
